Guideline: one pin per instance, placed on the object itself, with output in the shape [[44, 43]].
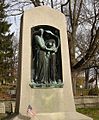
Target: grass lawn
[[91, 112]]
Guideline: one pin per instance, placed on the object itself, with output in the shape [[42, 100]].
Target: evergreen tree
[[6, 50]]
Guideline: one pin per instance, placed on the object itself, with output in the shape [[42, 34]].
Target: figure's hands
[[54, 49]]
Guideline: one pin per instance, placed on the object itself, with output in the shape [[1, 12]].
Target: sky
[[15, 27], [15, 21]]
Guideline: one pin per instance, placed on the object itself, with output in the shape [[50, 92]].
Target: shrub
[[94, 91]]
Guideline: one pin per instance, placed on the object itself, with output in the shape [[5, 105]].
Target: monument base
[[54, 116]]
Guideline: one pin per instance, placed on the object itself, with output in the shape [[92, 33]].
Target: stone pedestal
[[48, 103], [55, 116]]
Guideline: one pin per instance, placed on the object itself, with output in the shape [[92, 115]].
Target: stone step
[[54, 116]]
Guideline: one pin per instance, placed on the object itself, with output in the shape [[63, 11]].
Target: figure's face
[[49, 44]]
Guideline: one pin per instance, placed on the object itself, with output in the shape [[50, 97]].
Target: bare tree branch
[[70, 12], [62, 5], [89, 53], [93, 26], [79, 11]]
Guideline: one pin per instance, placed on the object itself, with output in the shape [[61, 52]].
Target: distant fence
[[80, 102], [86, 101], [7, 106], [83, 92]]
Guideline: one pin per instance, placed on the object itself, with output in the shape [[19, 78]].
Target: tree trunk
[[52, 4], [96, 77], [86, 78], [36, 3], [74, 83]]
